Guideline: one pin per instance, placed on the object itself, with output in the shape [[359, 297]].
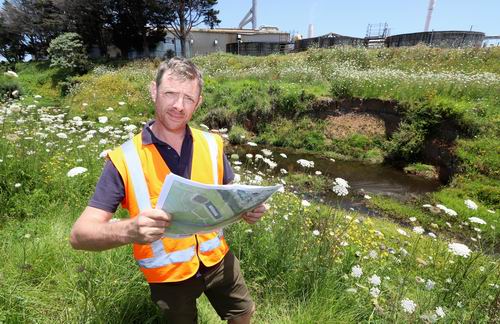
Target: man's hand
[[149, 226], [254, 215]]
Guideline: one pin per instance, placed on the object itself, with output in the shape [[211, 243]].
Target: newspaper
[[196, 207]]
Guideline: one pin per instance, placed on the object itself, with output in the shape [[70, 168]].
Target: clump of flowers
[[374, 280], [408, 305], [447, 210], [356, 271], [470, 204], [76, 171], [340, 187], [459, 249], [305, 163], [477, 220]]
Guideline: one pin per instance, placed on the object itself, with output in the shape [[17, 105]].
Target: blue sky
[[351, 17]]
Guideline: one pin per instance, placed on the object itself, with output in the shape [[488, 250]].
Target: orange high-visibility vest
[[143, 171]]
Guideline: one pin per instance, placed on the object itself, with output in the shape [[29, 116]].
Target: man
[[178, 270]]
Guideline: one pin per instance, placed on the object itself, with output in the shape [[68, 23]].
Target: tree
[[91, 20], [67, 52], [35, 22], [186, 14], [12, 47]]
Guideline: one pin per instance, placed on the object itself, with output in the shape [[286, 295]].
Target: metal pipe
[[429, 15]]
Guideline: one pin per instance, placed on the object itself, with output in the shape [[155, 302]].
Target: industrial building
[[262, 41], [437, 39], [328, 40]]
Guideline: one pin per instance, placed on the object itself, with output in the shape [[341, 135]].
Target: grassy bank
[[304, 262], [271, 100]]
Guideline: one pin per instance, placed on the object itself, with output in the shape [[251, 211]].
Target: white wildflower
[[62, 135], [374, 280], [266, 152], [470, 204], [237, 178], [432, 235], [351, 290], [317, 172], [102, 119], [121, 103], [418, 229], [429, 284], [283, 155], [17, 185], [408, 305], [477, 220], [249, 156], [283, 171], [402, 232], [11, 74], [306, 163], [305, 203], [130, 128], [252, 143], [375, 292], [367, 197], [356, 271], [413, 219], [76, 171], [440, 311], [125, 119], [459, 249], [315, 232]]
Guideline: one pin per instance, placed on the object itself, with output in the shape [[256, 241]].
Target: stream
[[363, 178]]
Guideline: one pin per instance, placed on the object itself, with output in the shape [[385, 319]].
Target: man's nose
[[179, 103]]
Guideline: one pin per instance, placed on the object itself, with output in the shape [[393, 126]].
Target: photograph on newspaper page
[[196, 207]]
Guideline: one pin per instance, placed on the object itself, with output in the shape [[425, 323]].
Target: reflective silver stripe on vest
[[162, 259], [136, 175], [212, 243], [214, 152]]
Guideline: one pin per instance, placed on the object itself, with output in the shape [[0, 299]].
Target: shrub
[[237, 135], [407, 142], [67, 52], [219, 118], [7, 85], [341, 88]]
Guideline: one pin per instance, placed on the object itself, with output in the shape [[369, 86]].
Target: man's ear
[[200, 101], [153, 90]]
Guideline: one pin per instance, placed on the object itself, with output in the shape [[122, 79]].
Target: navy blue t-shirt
[[110, 190]]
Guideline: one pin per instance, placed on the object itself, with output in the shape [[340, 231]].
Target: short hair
[[181, 68]]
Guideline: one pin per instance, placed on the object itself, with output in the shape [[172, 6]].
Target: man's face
[[175, 101]]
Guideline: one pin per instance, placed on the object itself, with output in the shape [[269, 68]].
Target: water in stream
[[362, 177]]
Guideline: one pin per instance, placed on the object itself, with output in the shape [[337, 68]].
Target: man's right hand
[[149, 226]]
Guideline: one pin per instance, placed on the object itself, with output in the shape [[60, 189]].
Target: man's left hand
[[254, 215]]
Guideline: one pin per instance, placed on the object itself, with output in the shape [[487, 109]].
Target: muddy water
[[363, 178]]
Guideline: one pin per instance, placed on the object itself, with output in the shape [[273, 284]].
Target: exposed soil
[[374, 117], [344, 126]]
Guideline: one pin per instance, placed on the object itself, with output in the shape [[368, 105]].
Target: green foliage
[[68, 52], [307, 182], [341, 89], [8, 85], [407, 142], [238, 135], [300, 134], [219, 118]]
